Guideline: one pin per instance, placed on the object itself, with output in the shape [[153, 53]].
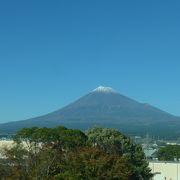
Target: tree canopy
[[114, 142], [61, 153], [169, 153]]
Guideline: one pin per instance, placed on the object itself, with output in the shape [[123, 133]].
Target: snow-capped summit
[[104, 89]]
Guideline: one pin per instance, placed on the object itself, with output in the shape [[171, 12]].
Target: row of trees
[[169, 153], [61, 153]]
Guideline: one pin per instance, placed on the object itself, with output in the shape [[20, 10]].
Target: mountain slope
[[106, 107]]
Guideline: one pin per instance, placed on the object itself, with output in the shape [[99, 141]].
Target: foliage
[[5, 170], [169, 153], [112, 141], [94, 163], [61, 153]]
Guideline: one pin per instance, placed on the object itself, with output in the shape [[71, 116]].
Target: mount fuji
[[105, 107]]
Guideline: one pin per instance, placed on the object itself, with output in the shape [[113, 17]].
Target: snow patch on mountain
[[104, 89]]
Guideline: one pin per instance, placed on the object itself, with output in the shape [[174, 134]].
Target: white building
[[165, 170]]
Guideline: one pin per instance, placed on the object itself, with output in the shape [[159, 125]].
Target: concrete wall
[[165, 170]]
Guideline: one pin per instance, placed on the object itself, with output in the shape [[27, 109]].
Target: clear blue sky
[[53, 52]]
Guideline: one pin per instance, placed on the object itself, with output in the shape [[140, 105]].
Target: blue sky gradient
[[53, 52]]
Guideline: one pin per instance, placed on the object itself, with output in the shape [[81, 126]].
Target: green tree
[[93, 163], [113, 141], [39, 151], [17, 161], [61, 153], [169, 153]]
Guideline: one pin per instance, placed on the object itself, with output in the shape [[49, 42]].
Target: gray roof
[[149, 152]]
